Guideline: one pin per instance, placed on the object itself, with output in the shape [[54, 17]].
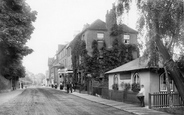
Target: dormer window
[[100, 35], [126, 39]]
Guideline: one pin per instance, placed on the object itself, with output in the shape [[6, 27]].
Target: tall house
[[128, 36], [96, 31]]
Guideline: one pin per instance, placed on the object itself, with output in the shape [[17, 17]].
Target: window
[[136, 78], [115, 79], [83, 36], [126, 39], [125, 76], [100, 35], [163, 85], [80, 60]]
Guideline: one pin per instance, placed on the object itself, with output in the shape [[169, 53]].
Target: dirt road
[[47, 101]]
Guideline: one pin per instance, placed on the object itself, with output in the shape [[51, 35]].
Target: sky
[[57, 22]]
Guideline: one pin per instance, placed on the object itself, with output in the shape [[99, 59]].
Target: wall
[[154, 86], [145, 80], [133, 39], [91, 35], [5, 84], [110, 76]]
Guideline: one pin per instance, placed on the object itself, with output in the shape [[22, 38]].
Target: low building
[[137, 72]]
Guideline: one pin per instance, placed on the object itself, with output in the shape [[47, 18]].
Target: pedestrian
[[74, 86], [71, 87], [141, 95], [67, 87]]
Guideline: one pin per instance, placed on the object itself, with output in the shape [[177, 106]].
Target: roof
[[97, 25], [127, 29], [136, 64]]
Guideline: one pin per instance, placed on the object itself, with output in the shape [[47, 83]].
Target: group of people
[[70, 87]]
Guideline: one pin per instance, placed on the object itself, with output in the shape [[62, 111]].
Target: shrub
[[135, 87], [115, 86]]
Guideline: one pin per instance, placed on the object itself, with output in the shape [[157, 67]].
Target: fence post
[[149, 101]]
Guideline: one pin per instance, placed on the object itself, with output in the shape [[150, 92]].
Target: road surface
[[47, 101]]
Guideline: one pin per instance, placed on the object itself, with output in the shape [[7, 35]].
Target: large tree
[[16, 27], [163, 22]]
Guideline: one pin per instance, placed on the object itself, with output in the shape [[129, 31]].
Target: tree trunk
[[171, 67], [168, 88]]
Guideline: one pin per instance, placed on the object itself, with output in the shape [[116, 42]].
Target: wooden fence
[[161, 100]]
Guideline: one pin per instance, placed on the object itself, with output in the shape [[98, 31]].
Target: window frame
[[100, 33], [127, 39], [137, 79], [160, 85]]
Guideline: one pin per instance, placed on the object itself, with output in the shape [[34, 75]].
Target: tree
[[163, 21], [16, 20]]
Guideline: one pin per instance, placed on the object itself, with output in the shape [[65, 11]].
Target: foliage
[[16, 20], [163, 22], [76, 48], [118, 55], [127, 86], [163, 17], [115, 87], [135, 87], [180, 63]]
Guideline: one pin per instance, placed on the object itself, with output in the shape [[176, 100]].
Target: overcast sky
[[57, 22]]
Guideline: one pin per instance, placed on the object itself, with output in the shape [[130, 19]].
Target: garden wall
[[116, 95], [5, 85]]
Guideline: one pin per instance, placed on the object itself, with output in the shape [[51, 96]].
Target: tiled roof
[[97, 25], [127, 29], [136, 64]]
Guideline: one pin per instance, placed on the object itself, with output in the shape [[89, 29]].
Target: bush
[[115, 86], [135, 87]]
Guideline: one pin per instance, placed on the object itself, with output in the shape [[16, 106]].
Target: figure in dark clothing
[[71, 87], [68, 87], [74, 87]]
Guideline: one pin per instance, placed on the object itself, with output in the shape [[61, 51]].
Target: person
[[141, 95], [67, 87], [71, 87], [61, 86]]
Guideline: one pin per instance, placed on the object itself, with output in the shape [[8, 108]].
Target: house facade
[[138, 72], [100, 32], [60, 66]]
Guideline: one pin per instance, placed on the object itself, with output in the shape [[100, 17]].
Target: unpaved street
[[47, 101]]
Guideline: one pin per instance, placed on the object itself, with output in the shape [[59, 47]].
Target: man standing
[[141, 95]]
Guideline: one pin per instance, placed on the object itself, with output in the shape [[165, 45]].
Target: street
[[47, 101]]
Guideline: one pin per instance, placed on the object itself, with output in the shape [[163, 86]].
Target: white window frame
[[126, 38], [161, 84], [136, 78], [100, 35]]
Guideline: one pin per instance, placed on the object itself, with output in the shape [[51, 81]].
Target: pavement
[[7, 96], [132, 108]]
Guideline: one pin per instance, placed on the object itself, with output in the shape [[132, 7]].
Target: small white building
[[138, 71]]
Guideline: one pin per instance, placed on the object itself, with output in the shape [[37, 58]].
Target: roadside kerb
[[131, 108]]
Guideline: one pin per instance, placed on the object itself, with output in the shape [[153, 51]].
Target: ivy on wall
[[102, 60]]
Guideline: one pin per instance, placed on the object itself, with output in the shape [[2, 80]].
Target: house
[[60, 66], [96, 31], [138, 72]]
